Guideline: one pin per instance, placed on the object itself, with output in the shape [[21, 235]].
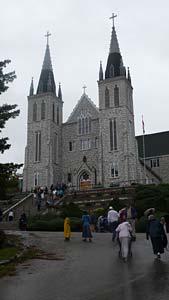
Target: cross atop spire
[[113, 17], [47, 35]]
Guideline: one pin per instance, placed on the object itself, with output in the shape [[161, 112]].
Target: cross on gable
[[113, 17], [84, 87]]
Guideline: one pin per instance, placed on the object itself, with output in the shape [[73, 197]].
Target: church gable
[[84, 106]]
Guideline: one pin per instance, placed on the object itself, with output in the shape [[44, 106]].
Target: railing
[[13, 207]]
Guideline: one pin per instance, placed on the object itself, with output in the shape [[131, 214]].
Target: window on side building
[[154, 162]]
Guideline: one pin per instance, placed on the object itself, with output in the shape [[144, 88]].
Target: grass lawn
[[12, 249]]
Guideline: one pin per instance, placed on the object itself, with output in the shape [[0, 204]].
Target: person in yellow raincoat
[[67, 230]]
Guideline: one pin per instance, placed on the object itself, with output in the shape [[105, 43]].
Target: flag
[[143, 125]]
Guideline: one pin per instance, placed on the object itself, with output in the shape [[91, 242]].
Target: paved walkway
[[89, 271]]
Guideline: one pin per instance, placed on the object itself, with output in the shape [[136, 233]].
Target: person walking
[[165, 240], [112, 218], [67, 229], [23, 222], [155, 231], [38, 199], [131, 216], [124, 231], [1, 215], [92, 222], [86, 234], [11, 216]]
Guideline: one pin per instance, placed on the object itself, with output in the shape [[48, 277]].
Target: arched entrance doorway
[[84, 180]]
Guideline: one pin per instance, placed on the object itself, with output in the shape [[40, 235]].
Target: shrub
[[2, 238], [71, 210], [156, 196], [51, 222], [141, 224]]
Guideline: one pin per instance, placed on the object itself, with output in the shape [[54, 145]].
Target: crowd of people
[[49, 197], [121, 223], [122, 226]]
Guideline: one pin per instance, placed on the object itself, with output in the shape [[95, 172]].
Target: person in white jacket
[[124, 231], [112, 218]]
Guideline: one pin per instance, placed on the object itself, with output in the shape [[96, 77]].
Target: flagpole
[[144, 158]]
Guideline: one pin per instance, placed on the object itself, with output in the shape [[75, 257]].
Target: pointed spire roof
[[114, 61], [31, 91], [101, 72], [46, 81], [47, 64], [128, 75], [114, 45], [60, 92]]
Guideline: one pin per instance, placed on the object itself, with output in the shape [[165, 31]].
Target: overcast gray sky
[[81, 32]]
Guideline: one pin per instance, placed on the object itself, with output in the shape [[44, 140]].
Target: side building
[[156, 153]]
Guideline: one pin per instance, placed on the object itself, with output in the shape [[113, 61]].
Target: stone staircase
[[92, 199], [100, 197], [22, 204]]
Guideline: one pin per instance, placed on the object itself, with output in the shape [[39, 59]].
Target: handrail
[[16, 204]]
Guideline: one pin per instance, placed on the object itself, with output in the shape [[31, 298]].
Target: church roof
[[46, 81], [156, 144], [84, 104]]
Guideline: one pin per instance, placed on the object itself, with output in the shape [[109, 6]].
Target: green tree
[[6, 112]]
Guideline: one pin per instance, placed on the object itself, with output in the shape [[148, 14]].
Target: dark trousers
[[157, 245], [113, 226]]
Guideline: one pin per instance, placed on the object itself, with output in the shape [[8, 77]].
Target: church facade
[[96, 145]]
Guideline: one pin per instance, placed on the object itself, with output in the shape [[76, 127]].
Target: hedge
[[52, 223]]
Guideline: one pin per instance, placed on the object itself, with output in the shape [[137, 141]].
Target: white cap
[[110, 207]]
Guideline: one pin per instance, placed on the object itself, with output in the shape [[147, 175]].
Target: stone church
[[96, 145]]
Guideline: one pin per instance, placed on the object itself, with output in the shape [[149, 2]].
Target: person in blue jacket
[[86, 234]]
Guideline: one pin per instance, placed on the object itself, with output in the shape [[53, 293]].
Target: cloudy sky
[[81, 32]]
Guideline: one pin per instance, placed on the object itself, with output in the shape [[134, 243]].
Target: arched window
[[37, 146], [84, 124], [113, 135], [87, 124], [116, 96], [55, 148], [58, 120], [53, 112], [80, 125], [34, 112], [111, 71], [90, 124], [107, 97], [114, 169], [43, 110]]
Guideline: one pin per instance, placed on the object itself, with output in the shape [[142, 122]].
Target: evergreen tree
[[6, 112]]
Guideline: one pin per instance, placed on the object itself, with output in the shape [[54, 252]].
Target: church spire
[[114, 45], [101, 72], [128, 75], [114, 61], [46, 81], [31, 91], [60, 92]]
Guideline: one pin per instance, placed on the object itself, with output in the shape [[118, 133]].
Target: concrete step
[[9, 225]]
